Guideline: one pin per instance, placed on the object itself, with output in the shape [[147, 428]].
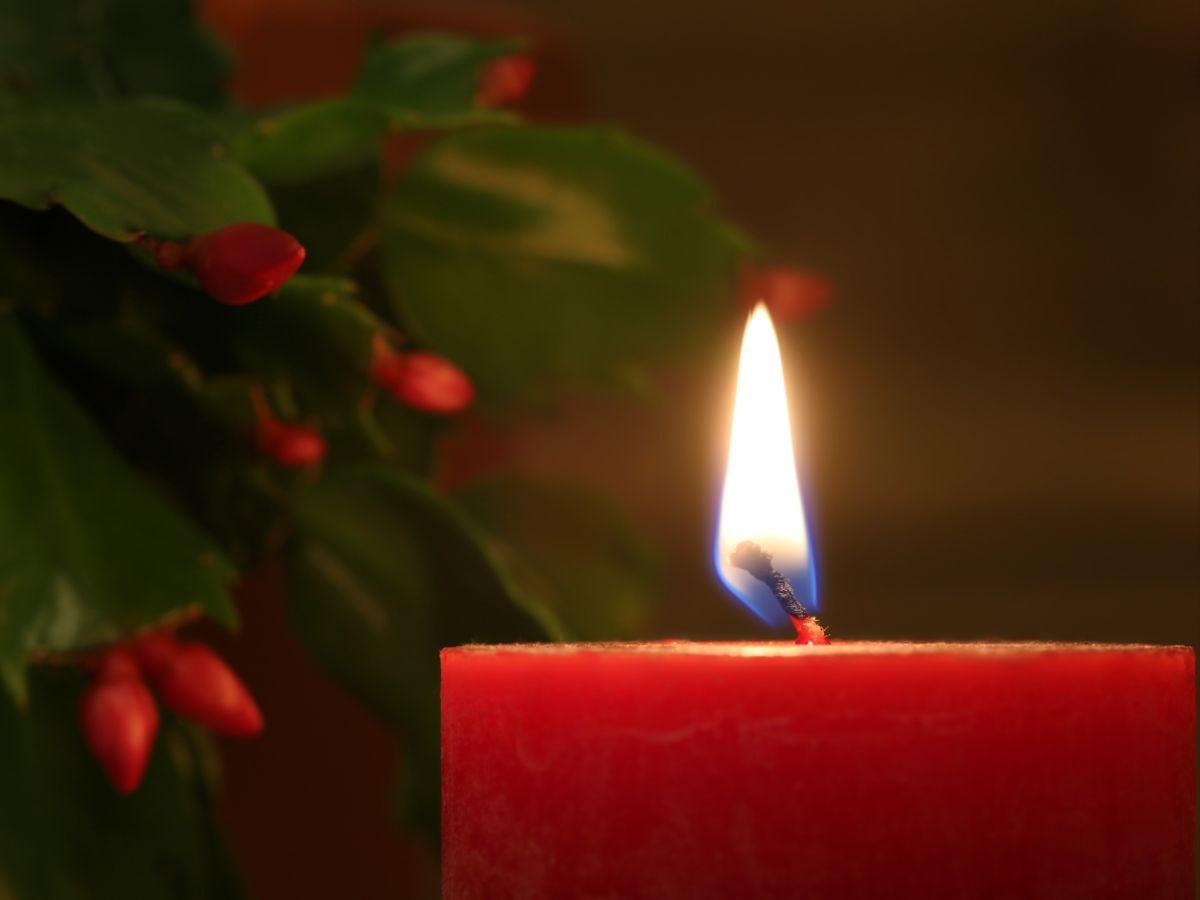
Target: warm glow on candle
[[761, 499]]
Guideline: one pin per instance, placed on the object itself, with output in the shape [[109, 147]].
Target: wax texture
[[979, 771]]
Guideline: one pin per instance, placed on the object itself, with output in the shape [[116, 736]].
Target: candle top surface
[[844, 648]]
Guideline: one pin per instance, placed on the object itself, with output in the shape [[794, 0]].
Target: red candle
[[853, 770], [847, 771]]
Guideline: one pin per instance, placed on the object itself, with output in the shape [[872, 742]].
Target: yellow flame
[[761, 499]]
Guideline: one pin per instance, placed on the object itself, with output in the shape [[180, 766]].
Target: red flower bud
[[119, 720], [197, 684], [504, 80], [293, 446], [422, 380], [387, 366], [789, 293], [168, 254], [290, 445], [240, 263]]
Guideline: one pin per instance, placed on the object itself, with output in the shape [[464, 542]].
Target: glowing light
[[761, 499]]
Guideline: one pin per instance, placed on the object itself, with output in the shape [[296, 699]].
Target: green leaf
[[53, 50], [571, 549], [383, 573], [88, 552], [428, 78], [332, 214], [316, 327], [421, 82], [65, 834], [535, 257], [127, 167], [308, 141]]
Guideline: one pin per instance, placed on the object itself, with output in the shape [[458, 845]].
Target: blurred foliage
[[535, 258], [65, 834], [54, 50], [424, 82], [76, 522], [383, 569], [127, 167], [571, 253], [570, 550]]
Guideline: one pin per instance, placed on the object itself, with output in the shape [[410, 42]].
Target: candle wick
[[752, 558]]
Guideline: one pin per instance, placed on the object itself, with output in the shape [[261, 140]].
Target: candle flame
[[761, 499]]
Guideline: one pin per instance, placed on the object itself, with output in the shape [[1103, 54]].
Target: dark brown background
[[1001, 407]]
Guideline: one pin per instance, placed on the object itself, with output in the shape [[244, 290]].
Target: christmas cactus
[[232, 336]]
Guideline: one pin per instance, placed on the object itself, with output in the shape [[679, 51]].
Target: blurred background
[[1000, 406]]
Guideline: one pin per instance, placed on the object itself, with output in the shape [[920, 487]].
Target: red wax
[[683, 770]]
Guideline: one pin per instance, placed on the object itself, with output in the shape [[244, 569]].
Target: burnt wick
[[752, 558]]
